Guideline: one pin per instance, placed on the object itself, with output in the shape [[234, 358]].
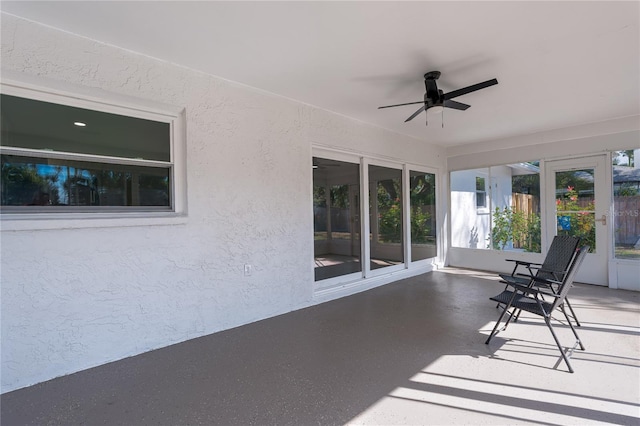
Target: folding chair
[[530, 299], [556, 264]]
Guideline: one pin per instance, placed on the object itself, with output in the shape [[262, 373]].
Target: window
[[626, 203], [506, 217], [481, 193], [422, 194], [59, 157]]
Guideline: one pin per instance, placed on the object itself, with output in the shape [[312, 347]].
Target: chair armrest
[[523, 262], [554, 273]]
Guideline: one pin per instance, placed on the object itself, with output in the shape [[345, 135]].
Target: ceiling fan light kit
[[435, 100]]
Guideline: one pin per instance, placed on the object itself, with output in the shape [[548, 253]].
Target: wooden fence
[[626, 212], [526, 203]]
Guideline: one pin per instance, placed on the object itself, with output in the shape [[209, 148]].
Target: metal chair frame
[[555, 266], [531, 299]]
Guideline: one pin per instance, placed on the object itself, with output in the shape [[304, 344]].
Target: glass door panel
[[336, 185], [626, 203], [422, 201], [385, 212], [577, 206]]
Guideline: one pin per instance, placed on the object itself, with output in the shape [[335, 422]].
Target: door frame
[[595, 270]]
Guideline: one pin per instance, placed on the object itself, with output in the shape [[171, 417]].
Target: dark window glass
[[336, 218], [422, 215], [28, 181], [385, 212], [481, 194], [28, 123]]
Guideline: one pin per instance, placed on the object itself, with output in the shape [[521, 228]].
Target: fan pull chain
[[442, 118]]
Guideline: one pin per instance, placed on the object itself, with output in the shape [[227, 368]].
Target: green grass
[[627, 253]]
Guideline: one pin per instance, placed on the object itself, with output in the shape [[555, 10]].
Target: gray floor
[[411, 352]]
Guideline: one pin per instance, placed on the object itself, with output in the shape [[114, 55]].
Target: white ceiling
[[558, 64]]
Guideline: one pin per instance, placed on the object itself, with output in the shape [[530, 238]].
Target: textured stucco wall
[[76, 298]]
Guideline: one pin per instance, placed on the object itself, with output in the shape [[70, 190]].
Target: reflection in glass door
[[626, 203], [385, 212], [577, 206], [336, 212], [422, 215]]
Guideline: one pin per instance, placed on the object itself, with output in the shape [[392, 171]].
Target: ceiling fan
[[437, 100]]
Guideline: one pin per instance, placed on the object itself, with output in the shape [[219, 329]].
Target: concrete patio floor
[[411, 352]]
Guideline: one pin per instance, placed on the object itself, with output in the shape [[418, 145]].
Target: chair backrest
[[562, 250], [567, 282]]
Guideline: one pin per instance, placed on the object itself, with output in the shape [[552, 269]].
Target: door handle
[[603, 219]]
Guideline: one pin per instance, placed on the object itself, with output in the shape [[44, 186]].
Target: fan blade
[[456, 105], [470, 89], [415, 113], [409, 103]]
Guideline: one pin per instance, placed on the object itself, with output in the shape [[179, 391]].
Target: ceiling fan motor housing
[[433, 95], [432, 75]]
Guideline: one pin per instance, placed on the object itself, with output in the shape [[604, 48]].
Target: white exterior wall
[[500, 187], [77, 298], [470, 226]]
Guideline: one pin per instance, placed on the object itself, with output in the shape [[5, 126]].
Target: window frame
[[491, 180], [485, 207], [438, 228], [333, 282], [402, 168], [364, 161], [24, 218]]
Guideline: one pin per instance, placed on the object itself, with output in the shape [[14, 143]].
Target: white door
[[577, 204]]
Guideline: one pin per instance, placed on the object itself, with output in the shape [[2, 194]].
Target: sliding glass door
[[336, 218], [392, 204], [422, 215], [385, 217]]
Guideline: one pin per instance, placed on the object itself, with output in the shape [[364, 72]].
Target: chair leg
[[573, 314], [575, 333], [513, 315], [493, 332], [564, 356], [517, 316]]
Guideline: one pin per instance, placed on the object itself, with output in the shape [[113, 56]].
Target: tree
[[628, 153], [526, 184], [23, 185], [516, 227], [579, 224]]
